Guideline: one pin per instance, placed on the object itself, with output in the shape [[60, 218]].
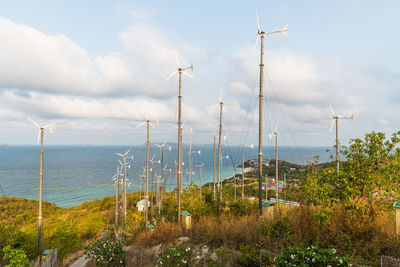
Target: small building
[[150, 227], [186, 220], [141, 205], [396, 205], [268, 209]]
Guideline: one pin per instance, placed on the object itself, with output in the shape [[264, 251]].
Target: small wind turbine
[[243, 146], [152, 183], [40, 138], [116, 179], [335, 118], [214, 137], [221, 105], [146, 211], [191, 161], [162, 164], [275, 133], [124, 165], [201, 171], [180, 70], [262, 34]]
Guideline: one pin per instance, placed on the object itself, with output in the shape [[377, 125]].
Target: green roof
[[46, 252], [267, 204], [150, 226], [186, 213], [396, 204]]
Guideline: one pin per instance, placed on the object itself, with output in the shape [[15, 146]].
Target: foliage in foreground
[[311, 256], [106, 253], [15, 257]]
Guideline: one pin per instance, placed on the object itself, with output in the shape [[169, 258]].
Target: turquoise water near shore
[[78, 166]]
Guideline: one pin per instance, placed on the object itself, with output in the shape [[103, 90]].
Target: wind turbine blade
[[333, 121], [160, 146], [38, 137], [276, 128], [220, 95], [170, 76], [49, 125], [119, 154], [177, 59], [255, 45], [258, 24], [153, 157], [126, 153], [37, 125], [333, 113], [285, 29], [163, 144], [187, 74], [120, 163], [141, 124]]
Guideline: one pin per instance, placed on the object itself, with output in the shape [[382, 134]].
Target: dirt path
[[81, 262]]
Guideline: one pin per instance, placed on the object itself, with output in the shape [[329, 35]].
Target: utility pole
[[124, 201], [191, 162], [116, 198], [262, 34], [201, 170], [276, 168], [180, 70]]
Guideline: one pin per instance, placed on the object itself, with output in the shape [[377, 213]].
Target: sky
[[99, 68]]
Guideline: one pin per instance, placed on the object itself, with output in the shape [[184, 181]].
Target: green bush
[[181, 255], [106, 253], [15, 257], [312, 256]]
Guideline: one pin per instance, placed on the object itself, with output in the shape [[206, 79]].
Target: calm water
[[78, 166]]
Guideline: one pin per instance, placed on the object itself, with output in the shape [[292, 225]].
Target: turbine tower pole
[[146, 212], [124, 193], [179, 145], [201, 170], [40, 192], [191, 164], [276, 168], [260, 109], [337, 145], [219, 197], [243, 172], [117, 200], [215, 137], [162, 174]]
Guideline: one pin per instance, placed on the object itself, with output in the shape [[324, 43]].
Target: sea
[[74, 174]]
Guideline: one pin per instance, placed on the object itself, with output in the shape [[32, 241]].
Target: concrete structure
[[141, 205], [396, 205], [268, 209], [186, 220]]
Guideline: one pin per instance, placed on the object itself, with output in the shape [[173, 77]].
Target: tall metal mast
[[262, 34], [180, 70], [215, 137]]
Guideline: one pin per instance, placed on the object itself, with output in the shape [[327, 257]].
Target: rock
[[182, 240], [156, 249]]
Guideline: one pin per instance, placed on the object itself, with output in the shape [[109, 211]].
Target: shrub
[[182, 255], [312, 256], [106, 253], [16, 257]]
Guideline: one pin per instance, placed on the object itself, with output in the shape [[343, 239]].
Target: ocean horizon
[[83, 166]]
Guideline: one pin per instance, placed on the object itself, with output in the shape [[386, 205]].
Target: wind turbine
[[262, 34], [116, 179], [275, 133], [191, 161], [243, 169], [201, 171], [152, 183], [335, 118], [180, 70], [146, 211], [40, 138], [162, 164], [124, 156], [221, 105]]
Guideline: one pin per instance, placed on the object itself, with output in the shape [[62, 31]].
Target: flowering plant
[[106, 253], [311, 256], [182, 255]]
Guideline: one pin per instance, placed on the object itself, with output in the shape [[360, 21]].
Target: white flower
[[292, 256], [197, 257], [340, 261], [183, 261], [313, 260], [333, 251], [167, 256]]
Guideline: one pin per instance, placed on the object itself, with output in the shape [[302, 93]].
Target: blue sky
[[98, 68]]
